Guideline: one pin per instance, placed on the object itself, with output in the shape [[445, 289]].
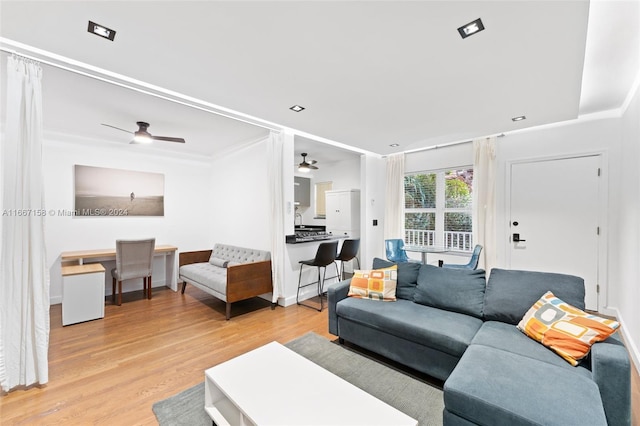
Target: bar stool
[[348, 251], [325, 256]]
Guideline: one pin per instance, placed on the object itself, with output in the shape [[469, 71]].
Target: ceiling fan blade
[[167, 139], [117, 128], [312, 161], [312, 167]]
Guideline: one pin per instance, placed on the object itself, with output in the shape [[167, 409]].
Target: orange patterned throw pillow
[[565, 329], [377, 284]]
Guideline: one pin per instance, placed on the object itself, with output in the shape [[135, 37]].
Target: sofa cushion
[[239, 254], [407, 276], [568, 331], [376, 284], [510, 293], [457, 290], [507, 337], [446, 331], [216, 261], [207, 275], [490, 386]]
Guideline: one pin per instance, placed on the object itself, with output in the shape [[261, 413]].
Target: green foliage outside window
[[420, 193]]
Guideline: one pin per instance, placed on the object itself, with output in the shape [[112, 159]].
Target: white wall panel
[[240, 198], [624, 291]]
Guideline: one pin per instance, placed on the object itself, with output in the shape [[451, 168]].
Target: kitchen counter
[[292, 239], [302, 251]]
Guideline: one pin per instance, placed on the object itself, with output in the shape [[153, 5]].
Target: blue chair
[[395, 250], [473, 262]]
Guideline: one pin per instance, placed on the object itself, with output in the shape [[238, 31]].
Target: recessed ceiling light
[[471, 28], [101, 31], [296, 108], [394, 144], [519, 118]]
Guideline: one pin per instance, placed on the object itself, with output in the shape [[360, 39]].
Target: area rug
[[419, 400]]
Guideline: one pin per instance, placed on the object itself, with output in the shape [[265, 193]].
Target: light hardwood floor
[[111, 371]]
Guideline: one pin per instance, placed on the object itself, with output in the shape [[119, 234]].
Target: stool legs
[[342, 267], [319, 284]]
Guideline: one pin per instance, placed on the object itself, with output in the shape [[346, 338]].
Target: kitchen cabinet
[[343, 212], [302, 191]]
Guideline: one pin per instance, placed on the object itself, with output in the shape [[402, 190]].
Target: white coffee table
[[273, 385]]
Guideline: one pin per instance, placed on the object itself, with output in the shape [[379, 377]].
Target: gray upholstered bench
[[227, 272]]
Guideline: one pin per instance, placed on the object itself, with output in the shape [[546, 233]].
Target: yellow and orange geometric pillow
[[377, 284], [565, 329]]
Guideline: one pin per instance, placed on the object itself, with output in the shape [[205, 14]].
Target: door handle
[[516, 239]]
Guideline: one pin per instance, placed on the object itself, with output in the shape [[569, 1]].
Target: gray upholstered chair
[[134, 259]]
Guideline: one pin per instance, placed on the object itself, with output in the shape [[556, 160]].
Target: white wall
[[240, 199], [186, 218], [372, 202], [447, 157], [624, 291]]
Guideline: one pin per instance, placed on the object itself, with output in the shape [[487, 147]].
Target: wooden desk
[[81, 257]]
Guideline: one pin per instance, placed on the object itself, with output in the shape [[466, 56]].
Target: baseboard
[[612, 312], [628, 341]]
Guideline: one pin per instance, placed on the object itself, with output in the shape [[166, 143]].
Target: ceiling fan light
[[304, 168], [141, 137]]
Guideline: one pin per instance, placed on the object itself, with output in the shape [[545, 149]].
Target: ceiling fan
[[306, 166], [142, 136]]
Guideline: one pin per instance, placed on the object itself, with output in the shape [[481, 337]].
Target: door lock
[[516, 239]]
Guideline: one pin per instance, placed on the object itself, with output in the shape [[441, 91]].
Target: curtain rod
[[446, 145], [136, 85]]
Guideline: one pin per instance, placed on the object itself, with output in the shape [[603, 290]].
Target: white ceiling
[[370, 73]]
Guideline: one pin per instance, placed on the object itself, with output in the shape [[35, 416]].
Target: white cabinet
[[82, 293], [343, 212]]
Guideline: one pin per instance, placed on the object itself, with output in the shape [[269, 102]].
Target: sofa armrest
[[611, 371], [248, 280], [189, 257], [335, 294]]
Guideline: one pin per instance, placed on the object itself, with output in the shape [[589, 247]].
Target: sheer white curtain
[[484, 199], [276, 158], [394, 197], [24, 277]]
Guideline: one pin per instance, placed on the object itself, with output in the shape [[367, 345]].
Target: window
[[321, 188], [438, 209]]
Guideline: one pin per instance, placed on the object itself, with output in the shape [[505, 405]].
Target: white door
[[554, 215]]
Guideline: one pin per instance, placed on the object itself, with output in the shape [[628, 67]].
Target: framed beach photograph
[[103, 191]]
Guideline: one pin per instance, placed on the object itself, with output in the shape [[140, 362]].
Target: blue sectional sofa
[[457, 327]]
